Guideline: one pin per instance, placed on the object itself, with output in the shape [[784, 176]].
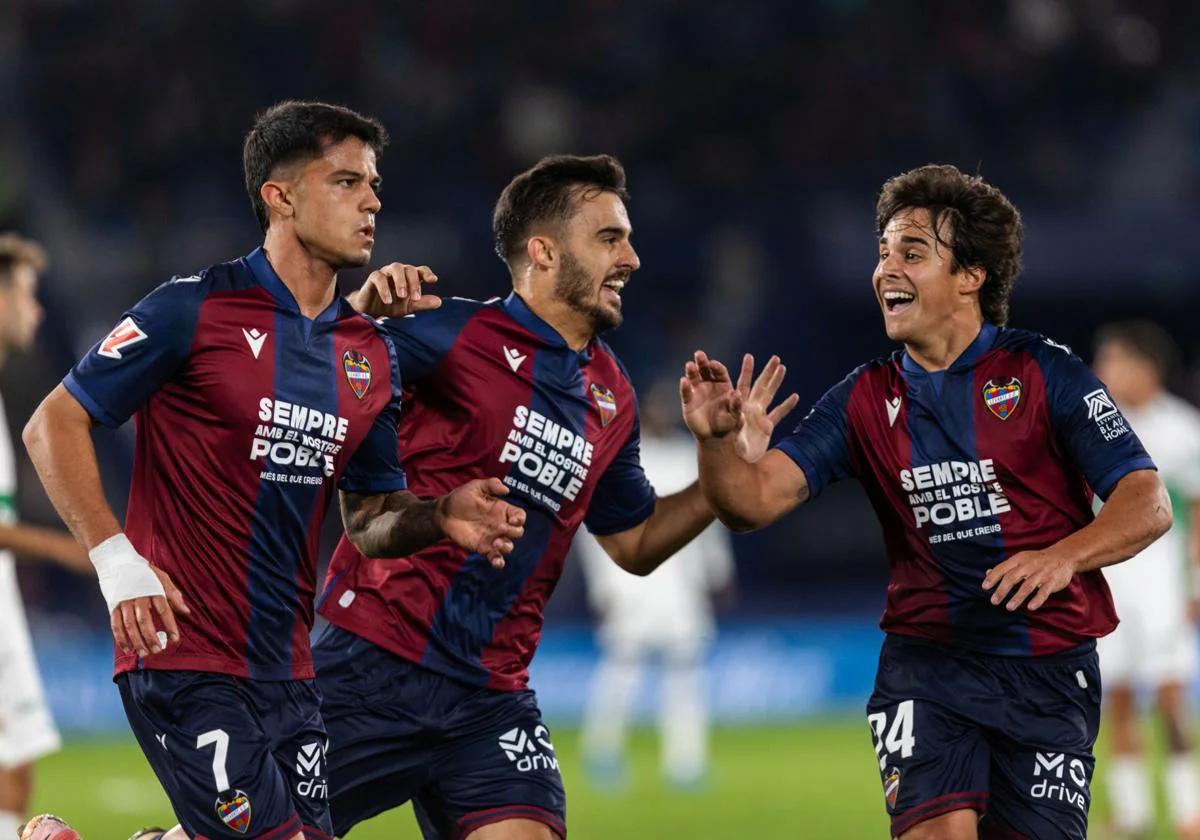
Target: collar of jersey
[[982, 343], [265, 274], [515, 306]]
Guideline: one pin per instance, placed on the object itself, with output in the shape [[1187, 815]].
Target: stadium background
[[755, 135]]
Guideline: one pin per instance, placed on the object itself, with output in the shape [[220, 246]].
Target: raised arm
[[59, 440], [746, 486], [399, 523], [1136, 513]]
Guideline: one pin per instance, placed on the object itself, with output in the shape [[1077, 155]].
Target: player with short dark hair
[[980, 448], [259, 392], [424, 668]]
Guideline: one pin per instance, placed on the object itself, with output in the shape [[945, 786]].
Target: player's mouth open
[[615, 285], [896, 300], [367, 231]]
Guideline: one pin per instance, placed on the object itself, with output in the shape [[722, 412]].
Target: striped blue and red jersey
[[492, 390], [998, 454], [248, 415]]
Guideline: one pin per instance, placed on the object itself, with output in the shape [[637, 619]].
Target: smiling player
[[980, 447], [424, 669]]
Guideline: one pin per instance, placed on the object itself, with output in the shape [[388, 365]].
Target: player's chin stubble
[[575, 288]]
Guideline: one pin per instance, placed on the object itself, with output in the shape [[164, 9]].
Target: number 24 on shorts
[[899, 737]]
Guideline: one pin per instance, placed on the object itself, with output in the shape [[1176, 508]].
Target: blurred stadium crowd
[[755, 134]]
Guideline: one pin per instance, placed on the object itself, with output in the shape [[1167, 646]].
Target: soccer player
[[1155, 645], [423, 670], [258, 391], [662, 622], [980, 448], [27, 731]]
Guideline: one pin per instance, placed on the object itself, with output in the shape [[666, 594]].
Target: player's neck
[[574, 327], [311, 280], [939, 351]]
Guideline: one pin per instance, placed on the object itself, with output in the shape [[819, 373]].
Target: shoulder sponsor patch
[[125, 334], [1002, 397], [1104, 412]]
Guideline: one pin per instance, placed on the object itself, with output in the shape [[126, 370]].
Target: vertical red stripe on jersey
[[1049, 502], [917, 600], [185, 530]]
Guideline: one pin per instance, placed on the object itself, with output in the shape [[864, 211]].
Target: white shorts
[[27, 731], [1149, 647]]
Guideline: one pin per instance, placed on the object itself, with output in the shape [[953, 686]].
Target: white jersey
[[673, 603], [1156, 639], [26, 729]]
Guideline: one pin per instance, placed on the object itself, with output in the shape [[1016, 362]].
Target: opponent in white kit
[[1154, 647]]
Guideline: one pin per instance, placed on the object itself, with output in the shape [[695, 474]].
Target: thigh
[[299, 744], [377, 755], [510, 773], [933, 758], [27, 731], [1042, 760], [210, 752]]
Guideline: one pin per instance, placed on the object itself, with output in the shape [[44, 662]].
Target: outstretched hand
[[759, 419], [475, 517], [395, 291], [713, 407]]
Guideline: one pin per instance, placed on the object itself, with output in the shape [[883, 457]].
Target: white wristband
[[124, 574]]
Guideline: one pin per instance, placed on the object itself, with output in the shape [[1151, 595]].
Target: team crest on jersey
[[233, 807], [606, 402], [358, 372], [124, 334], [891, 786], [1001, 399]]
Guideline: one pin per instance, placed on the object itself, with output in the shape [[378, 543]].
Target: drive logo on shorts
[[527, 751], [1048, 767], [309, 759]]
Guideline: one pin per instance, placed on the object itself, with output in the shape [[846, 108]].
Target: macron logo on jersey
[[514, 358], [124, 334], [255, 339], [893, 409]]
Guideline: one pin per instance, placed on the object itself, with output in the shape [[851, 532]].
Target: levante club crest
[[606, 402], [891, 786], [233, 807], [358, 372], [1001, 399]]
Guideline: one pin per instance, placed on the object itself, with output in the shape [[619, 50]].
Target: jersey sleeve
[[143, 351], [375, 466], [422, 339], [820, 445], [624, 497], [1095, 434]]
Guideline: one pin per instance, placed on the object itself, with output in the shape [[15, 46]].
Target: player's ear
[[277, 197], [542, 252], [971, 279]]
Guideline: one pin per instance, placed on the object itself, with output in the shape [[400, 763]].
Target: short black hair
[[547, 191], [1147, 340], [292, 131], [16, 250], [984, 226]]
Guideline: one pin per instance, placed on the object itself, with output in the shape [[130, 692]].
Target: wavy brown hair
[[982, 228]]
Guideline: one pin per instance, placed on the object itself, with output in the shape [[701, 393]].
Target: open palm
[[759, 419]]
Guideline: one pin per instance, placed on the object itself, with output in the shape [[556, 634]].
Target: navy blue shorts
[[1009, 737], [237, 758], [466, 756]]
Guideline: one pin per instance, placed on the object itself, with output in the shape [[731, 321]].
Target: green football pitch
[[816, 779]]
